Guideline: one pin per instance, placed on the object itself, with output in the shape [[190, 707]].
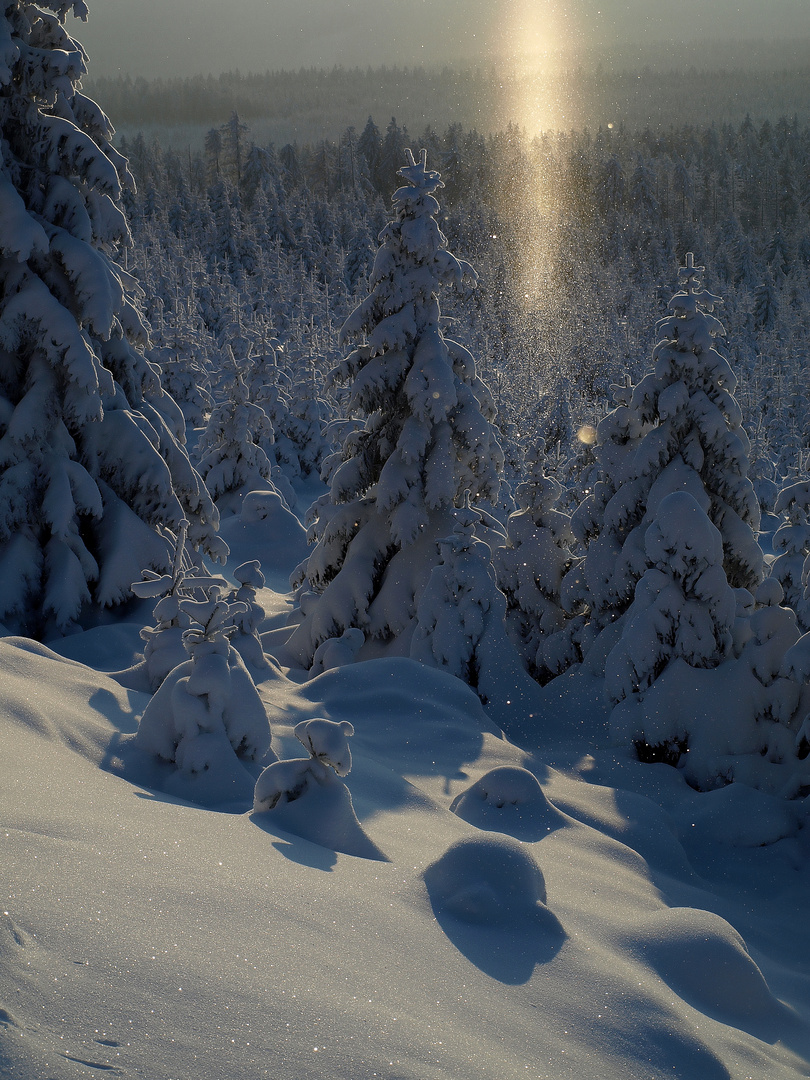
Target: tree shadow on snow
[[105, 703], [296, 848]]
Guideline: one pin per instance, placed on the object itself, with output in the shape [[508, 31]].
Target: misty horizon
[[155, 41]]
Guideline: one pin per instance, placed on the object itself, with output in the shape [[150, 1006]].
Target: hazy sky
[[172, 37]]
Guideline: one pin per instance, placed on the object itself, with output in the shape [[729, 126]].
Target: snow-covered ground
[[556, 912]]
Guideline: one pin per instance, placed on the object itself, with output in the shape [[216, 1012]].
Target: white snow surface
[[576, 916]]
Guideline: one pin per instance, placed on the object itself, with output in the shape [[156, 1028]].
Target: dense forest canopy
[[575, 238]]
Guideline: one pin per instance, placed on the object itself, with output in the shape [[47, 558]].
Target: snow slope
[[143, 936]]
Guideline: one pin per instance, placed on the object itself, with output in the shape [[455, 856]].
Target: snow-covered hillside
[[544, 912]]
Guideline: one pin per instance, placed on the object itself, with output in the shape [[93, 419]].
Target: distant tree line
[[480, 97]]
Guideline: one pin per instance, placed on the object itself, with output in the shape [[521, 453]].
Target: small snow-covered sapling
[[207, 708], [247, 622], [305, 797], [163, 649], [330, 756]]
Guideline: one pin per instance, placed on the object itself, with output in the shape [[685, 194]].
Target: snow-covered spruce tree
[[232, 458], [686, 690], [180, 352], [791, 542], [530, 569], [460, 614], [297, 414], [684, 609], [591, 580], [427, 438], [679, 429], [91, 456]]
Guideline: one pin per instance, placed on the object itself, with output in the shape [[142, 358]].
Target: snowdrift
[[555, 923]]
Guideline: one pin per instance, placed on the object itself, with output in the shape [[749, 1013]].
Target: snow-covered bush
[[305, 795], [247, 621], [285, 781], [335, 652], [508, 799], [207, 717], [91, 456]]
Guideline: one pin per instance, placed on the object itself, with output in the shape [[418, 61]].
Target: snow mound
[[508, 799], [486, 879], [706, 962], [105, 648], [399, 708], [337, 651], [319, 810], [267, 531], [62, 700], [742, 816]]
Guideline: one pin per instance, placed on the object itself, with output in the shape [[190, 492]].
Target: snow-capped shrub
[[305, 795], [508, 799], [329, 755], [246, 640], [207, 716], [164, 648]]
